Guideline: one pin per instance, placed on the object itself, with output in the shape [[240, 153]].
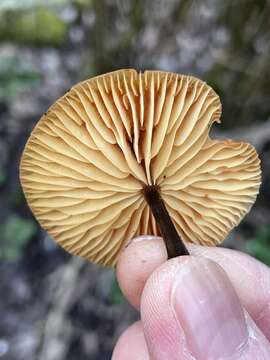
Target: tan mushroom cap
[[88, 158]]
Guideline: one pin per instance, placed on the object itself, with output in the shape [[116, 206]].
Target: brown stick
[[174, 244]]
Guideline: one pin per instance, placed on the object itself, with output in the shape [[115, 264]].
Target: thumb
[[190, 310]]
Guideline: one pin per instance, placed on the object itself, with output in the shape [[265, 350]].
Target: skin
[[212, 305]]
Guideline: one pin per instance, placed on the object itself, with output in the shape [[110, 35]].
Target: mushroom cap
[[88, 158]]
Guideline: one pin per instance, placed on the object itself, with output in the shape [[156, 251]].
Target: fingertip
[[131, 344], [137, 261]]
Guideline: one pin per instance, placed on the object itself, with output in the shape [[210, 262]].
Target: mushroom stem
[[174, 244]]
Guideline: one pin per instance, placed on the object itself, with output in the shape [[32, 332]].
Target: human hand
[[212, 305]]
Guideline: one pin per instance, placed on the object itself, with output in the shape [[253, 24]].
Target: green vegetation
[[16, 197], [116, 297], [3, 176], [26, 4], [38, 27], [16, 233], [29, 4], [259, 247], [15, 77]]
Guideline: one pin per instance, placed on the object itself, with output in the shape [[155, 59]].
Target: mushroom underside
[[90, 156]]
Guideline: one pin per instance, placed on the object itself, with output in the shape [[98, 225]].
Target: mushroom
[[129, 153]]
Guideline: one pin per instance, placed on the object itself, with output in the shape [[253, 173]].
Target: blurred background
[[54, 306]]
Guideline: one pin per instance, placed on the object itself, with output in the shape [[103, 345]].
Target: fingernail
[[208, 310], [142, 238]]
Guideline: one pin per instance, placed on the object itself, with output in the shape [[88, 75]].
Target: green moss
[[38, 27]]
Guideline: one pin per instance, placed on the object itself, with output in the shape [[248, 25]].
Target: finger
[[142, 256], [250, 278], [131, 345], [190, 310]]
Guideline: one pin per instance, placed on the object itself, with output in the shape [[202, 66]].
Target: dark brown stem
[[174, 244]]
